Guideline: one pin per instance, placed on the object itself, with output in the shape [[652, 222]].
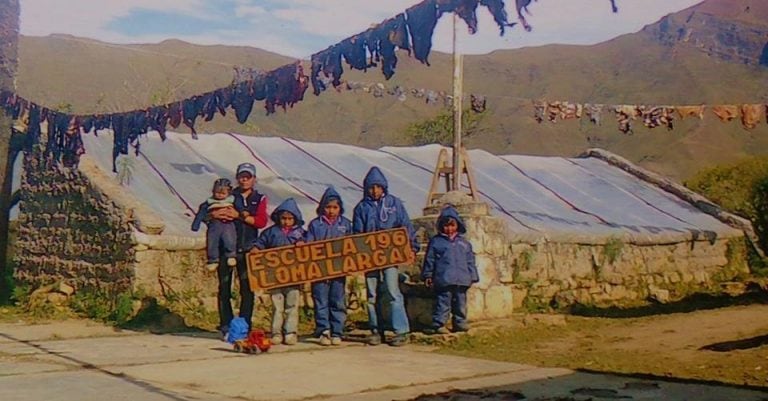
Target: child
[[328, 295], [287, 230], [379, 210], [449, 268], [221, 234]]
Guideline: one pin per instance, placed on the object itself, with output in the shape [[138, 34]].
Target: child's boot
[[211, 267]]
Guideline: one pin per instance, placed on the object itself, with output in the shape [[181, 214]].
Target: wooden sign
[[323, 260]]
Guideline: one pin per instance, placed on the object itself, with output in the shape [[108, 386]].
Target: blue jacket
[[450, 261], [274, 236], [320, 229], [202, 210], [386, 213]]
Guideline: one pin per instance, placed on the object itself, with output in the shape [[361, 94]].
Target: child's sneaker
[[325, 338], [374, 339], [335, 340], [460, 329], [442, 330], [276, 339], [231, 262], [211, 267], [291, 339]]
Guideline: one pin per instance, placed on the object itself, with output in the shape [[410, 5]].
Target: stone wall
[[70, 230], [516, 274]]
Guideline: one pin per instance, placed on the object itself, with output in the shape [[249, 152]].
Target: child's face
[[450, 227], [221, 193], [376, 191], [287, 220], [332, 209]]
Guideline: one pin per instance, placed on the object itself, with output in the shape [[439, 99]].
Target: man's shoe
[[291, 339], [374, 339], [399, 340]]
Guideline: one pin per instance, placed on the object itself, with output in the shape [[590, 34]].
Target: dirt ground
[[727, 345]]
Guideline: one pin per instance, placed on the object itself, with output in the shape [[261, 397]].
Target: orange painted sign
[[327, 259]]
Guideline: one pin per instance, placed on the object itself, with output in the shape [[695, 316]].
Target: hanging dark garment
[[242, 101], [33, 128], [101, 122], [158, 120], [390, 35], [223, 99], [613, 6], [497, 9], [119, 140], [191, 108], [210, 105], [355, 52], [174, 115], [523, 5], [314, 75], [87, 123], [422, 19], [464, 9], [285, 87]]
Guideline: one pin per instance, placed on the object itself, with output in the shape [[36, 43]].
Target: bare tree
[[10, 142]]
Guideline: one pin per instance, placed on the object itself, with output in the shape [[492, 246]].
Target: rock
[[659, 295], [56, 298], [66, 289], [733, 288]]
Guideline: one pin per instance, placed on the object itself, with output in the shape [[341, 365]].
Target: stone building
[[548, 231]]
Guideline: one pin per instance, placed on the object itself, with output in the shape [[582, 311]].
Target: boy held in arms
[[449, 269], [221, 235], [287, 230], [328, 295], [377, 211]]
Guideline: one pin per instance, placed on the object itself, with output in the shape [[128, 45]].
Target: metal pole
[[457, 100]]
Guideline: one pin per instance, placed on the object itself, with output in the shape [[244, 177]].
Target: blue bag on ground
[[238, 330]]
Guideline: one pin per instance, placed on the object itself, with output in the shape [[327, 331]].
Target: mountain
[[715, 60]]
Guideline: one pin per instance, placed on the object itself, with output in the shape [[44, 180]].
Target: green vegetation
[[439, 129], [612, 250], [741, 188]]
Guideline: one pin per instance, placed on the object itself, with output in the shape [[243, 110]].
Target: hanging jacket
[[421, 20], [464, 9], [275, 236], [388, 212], [242, 101], [450, 261], [321, 228], [497, 9], [354, 51], [158, 120], [174, 114]]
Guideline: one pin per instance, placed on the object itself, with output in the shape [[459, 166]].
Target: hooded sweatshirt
[[321, 228], [275, 236], [386, 213], [450, 261]]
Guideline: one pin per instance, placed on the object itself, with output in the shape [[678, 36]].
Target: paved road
[[85, 361]]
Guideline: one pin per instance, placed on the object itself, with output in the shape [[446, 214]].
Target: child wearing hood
[[286, 230], [328, 295], [449, 269], [379, 210]]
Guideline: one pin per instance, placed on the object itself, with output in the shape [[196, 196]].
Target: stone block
[[419, 310], [487, 270], [476, 304], [658, 294], [498, 302]]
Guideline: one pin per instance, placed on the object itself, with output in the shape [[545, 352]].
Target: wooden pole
[[457, 100]]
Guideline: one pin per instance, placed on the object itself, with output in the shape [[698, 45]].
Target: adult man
[[250, 214]]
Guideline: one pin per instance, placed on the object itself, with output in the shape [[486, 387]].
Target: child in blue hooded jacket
[[328, 295], [379, 210], [449, 269], [287, 230]]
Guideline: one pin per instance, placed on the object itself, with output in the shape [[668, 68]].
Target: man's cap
[[246, 168]]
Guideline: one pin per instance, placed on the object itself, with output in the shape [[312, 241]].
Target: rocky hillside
[[655, 66], [729, 30]]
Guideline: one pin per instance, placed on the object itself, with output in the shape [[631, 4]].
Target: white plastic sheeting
[[546, 197]]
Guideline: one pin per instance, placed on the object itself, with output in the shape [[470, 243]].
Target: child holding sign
[[449, 269], [287, 230], [328, 295]]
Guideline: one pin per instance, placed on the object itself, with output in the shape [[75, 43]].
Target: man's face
[[287, 220], [376, 191], [245, 181], [332, 209]]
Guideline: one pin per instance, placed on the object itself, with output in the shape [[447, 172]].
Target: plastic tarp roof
[[539, 197]]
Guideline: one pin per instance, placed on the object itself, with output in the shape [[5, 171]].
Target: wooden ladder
[[444, 169]]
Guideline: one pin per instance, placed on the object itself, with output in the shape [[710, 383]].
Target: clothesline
[[411, 30]]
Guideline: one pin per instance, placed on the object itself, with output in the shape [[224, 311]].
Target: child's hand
[[428, 282]]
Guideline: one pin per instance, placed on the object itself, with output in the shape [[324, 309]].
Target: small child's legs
[[330, 306], [451, 299], [221, 239], [285, 311]]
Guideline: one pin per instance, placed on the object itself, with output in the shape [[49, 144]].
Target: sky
[[299, 28]]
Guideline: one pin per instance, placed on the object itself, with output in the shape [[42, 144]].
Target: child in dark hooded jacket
[[379, 210], [328, 295], [449, 269], [287, 230]]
